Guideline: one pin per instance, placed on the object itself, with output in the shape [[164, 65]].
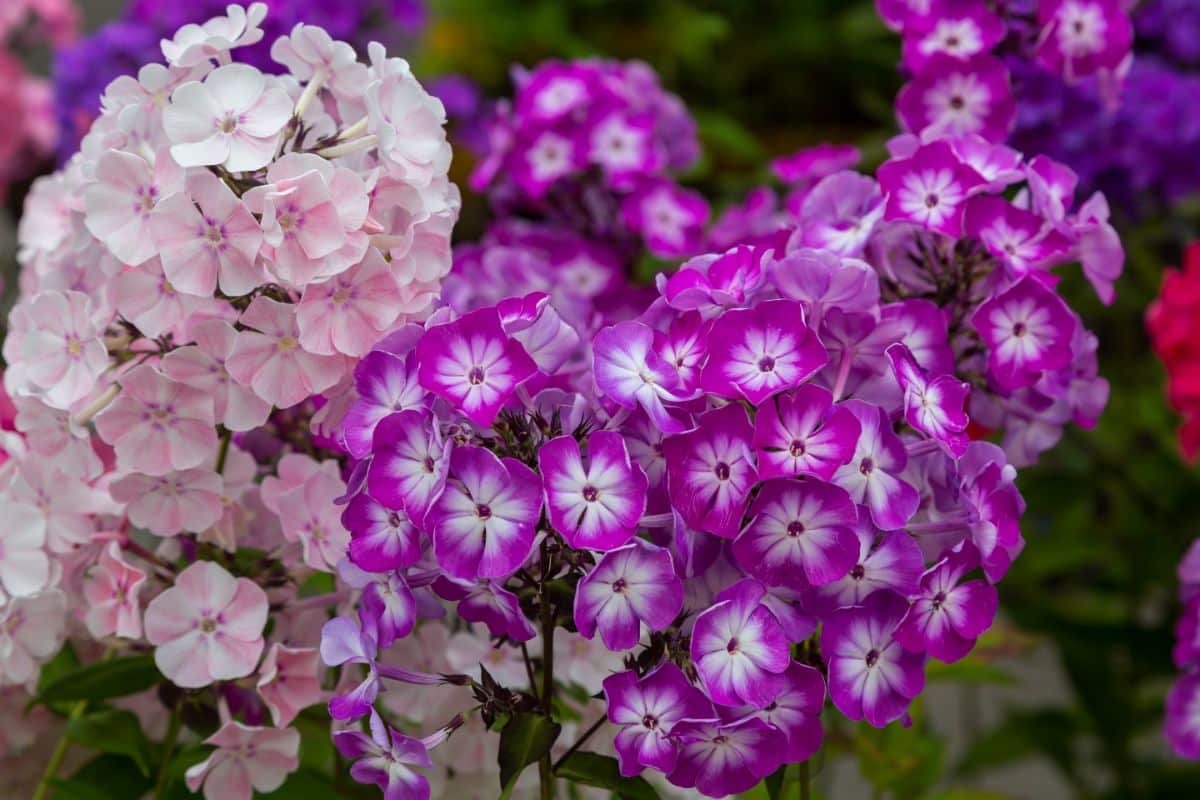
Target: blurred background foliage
[[1110, 510]]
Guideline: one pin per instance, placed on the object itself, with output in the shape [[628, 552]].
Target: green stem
[[579, 742], [60, 751], [168, 748], [545, 770], [805, 781], [223, 451]]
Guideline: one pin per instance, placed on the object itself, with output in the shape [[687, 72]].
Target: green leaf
[[603, 772], [112, 731], [101, 680], [305, 784], [1048, 732], [524, 740], [107, 777]]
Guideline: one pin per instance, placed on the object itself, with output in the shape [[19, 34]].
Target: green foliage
[[107, 777], [113, 731], [603, 772], [523, 740], [100, 680]]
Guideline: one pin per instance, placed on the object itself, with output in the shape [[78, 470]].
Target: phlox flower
[[408, 121], [387, 603], [24, 565], [408, 470], [247, 760], [351, 311], [1028, 329], [1019, 238], [893, 562], [268, 357], [800, 534], [63, 356], [312, 215], [961, 32], [206, 237], [956, 98], [307, 513], [386, 383], [796, 711], [720, 759], [670, 217], [62, 505], [121, 203], [803, 433], [597, 506], [381, 539], [202, 366], [739, 648], [158, 425], [473, 364], [386, 758], [170, 504], [111, 588], [948, 615], [628, 370], [710, 470], [195, 44], [839, 215], [871, 475], [932, 405], [630, 586], [31, 631], [312, 55], [646, 710], [146, 298], [1081, 37], [1183, 716], [483, 523], [232, 119], [757, 352], [929, 188], [871, 676], [487, 601], [207, 627], [289, 681], [713, 281]]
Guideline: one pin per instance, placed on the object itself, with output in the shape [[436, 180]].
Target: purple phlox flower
[[757, 352], [1051, 188], [408, 470], [757, 221], [801, 534], [387, 758], [669, 217], [1183, 716], [381, 539], [1082, 37], [839, 214], [720, 759], [629, 586], [739, 648], [1028, 329], [994, 506], [948, 616], [821, 279], [893, 563], [644, 440], [684, 346], [710, 470], [473, 364], [386, 383], [960, 31], [953, 97], [803, 433], [483, 523], [998, 164], [921, 327], [930, 188], [1099, 247], [810, 164], [539, 328], [386, 606], [714, 280], [933, 406], [1019, 238], [871, 676], [597, 505], [646, 711], [693, 551], [487, 601], [629, 371], [623, 146], [871, 475], [796, 711], [785, 603]]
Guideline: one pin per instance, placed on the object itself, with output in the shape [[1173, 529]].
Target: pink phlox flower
[[289, 681], [121, 203], [247, 760], [170, 504], [111, 588], [351, 311], [195, 44], [202, 366]]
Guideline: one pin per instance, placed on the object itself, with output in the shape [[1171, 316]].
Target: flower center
[[872, 657], [208, 625], [228, 125], [591, 494], [938, 599], [795, 528], [766, 364], [618, 586], [866, 466], [957, 104], [394, 520], [427, 464], [797, 448], [649, 722], [857, 572], [732, 647], [475, 376], [286, 344], [483, 511], [1019, 329], [74, 346], [931, 199], [721, 470]]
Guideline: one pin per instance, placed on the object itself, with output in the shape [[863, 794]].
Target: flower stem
[[168, 748], [60, 751], [805, 780], [579, 742], [546, 611], [223, 451]]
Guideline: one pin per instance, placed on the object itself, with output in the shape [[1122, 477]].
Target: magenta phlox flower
[[629, 586], [891, 561], [949, 614], [930, 188], [803, 433], [720, 759], [739, 648], [647, 710], [871, 475], [711, 470], [594, 505], [1028, 330], [410, 463], [934, 406]]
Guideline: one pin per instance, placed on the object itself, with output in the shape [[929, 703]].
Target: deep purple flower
[[871, 676], [723, 759], [386, 758], [948, 616], [802, 433], [932, 405], [630, 586], [486, 601], [892, 563], [800, 534], [871, 475], [739, 649], [710, 470], [647, 710], [595, 506], [408, 470], [386, 383], [483, 523], [381, 539], [754, 353], [473, 364]]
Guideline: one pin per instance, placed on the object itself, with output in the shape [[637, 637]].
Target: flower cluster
[[1183, 700], [590, 146], [123, 46], [25, 99], [1172, 323], [759, 488], [954, 53], [196, 287], [1138, 152]]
